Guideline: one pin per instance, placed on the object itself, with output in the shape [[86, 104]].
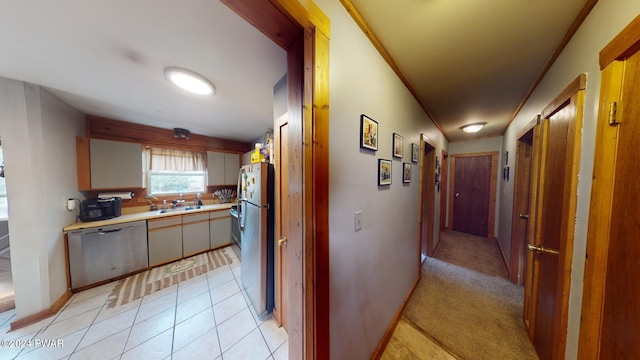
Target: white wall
[[38, 136], [606, 20], [372, 269]]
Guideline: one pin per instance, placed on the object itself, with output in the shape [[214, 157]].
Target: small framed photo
[[415, 150], [384, 172], [506, 158], [368, 133], [406, 172], [397, 145]]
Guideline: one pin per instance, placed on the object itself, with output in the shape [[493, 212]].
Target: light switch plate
[[357, 223]]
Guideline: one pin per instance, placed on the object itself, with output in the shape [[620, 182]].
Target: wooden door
[[280, 310], [444, 185], [534, 189], [471, 194], [521, 206], [555, 224], [427, 203], [621, 310]]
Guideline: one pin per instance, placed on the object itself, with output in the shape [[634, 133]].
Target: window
[[173, 171]]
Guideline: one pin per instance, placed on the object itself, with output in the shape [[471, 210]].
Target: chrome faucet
[[152, 206]]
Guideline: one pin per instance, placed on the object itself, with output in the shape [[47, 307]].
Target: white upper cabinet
[[231, 168], [115, 164], [223, 168]]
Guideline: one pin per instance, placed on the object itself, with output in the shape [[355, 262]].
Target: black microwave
[[100, 209]]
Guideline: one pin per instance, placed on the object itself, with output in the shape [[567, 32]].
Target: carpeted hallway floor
[[463, 307]]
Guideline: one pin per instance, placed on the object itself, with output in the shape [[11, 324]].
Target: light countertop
[[144, 216]]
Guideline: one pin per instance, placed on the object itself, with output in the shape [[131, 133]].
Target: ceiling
[[466, 60], [106, 58], [470, 61]]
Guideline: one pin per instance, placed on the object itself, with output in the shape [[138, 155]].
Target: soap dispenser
[[199, 201]]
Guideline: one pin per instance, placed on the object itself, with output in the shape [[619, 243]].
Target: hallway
[[463, 307]]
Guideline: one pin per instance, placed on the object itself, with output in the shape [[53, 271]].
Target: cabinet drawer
[[194, 217], [219, 214], [164, 222]]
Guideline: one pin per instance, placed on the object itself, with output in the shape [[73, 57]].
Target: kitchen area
[[83, 114], [139, 244]]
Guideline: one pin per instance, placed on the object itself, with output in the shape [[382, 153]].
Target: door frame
[[444, 186], [525, 188], [493, 182], [572, 95], [427, 199], [612, 65], [303, 31]]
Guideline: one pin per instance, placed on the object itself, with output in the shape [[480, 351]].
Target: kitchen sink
[[178, 209]]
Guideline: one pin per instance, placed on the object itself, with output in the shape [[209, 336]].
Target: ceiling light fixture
[[189, 81], [473, 128], [180, 133]]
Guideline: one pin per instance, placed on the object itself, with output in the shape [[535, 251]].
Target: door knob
[[541, 249], [524, 216], [282, 241], [457, 194]]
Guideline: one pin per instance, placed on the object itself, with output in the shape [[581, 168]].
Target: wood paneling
[[109, 129], [83, 163]]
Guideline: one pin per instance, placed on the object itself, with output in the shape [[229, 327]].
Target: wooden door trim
[[303, 30], [492, 191], [625, 44], [426, 184], [444, 181], [277, 314], [579, 83], [612, 57]]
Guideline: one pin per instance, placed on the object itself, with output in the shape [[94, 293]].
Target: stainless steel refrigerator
[[256, 219]]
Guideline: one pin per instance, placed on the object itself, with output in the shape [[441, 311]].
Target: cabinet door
[[195, 238], [165, 245], [220, 232], [115, 164], [215, 168], [231, 168]]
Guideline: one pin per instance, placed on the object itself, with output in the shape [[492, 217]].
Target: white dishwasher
[[101, 253]]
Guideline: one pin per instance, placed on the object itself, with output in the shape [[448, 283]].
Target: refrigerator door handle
[[239, 199]]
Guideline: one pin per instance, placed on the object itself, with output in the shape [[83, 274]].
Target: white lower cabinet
[[175, 237], [220, 228], [165, 240], [195, 234]]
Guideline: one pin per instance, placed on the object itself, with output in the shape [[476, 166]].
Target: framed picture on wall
[[397, 145], [368, 133], [384, 172], [406, 172], [415, 150]]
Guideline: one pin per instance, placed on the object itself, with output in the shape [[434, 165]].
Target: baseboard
[[387, 335], [52, 310], [504, 258]]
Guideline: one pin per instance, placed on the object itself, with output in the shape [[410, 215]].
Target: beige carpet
[[475, 315], [150, 281], [471, 252]]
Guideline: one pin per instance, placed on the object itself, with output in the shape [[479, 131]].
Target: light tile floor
[[207, 317]]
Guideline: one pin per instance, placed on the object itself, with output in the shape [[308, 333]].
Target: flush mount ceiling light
[[189, 81], [473, 128], [180, 133]]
